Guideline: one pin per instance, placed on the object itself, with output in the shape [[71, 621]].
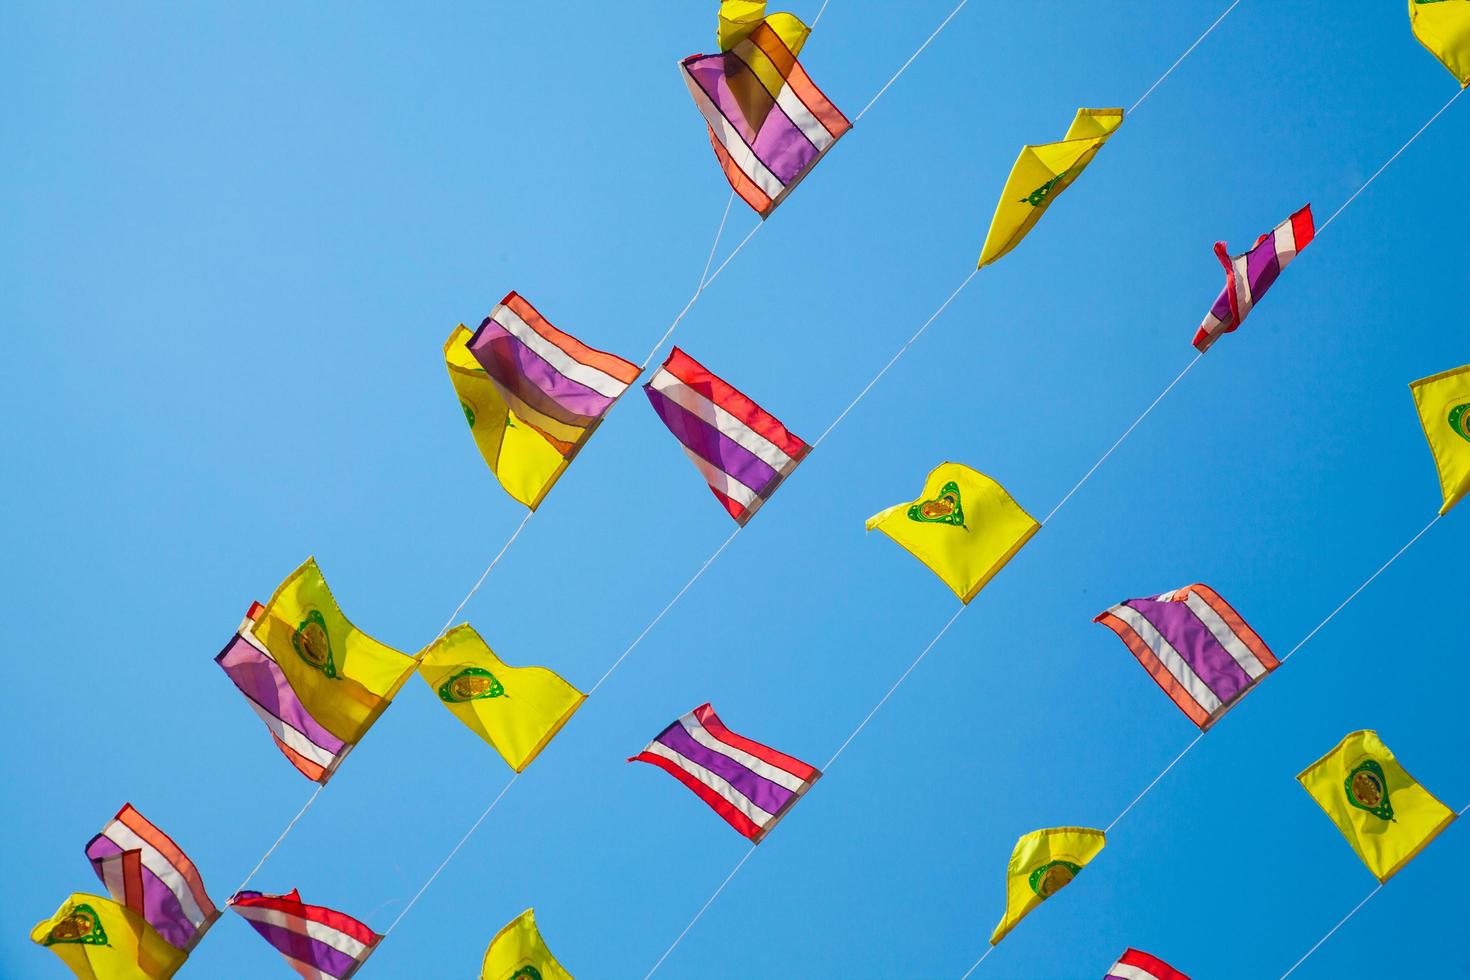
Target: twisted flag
[[1443, 401], [1249, 275], [317, 942], [519, 953], [1042, 864], [1443, 26]]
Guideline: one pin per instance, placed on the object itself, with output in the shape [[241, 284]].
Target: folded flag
[[317, 942], [749, 784], [98, 939], [1135, 964], [1043, 863], [1248, 276], [742, 451], [1195, 646], [1040, 174], [964, 528], [738, 18], [1444, 410], [147, 872], [1385, 815], [518, 710], [519, 953], [1443, 26]]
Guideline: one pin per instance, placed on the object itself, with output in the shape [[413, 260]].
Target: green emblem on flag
[[526, 973], [944, 509], [1052, 877], [313, 644], [470, 684], [469, 413], [1368, 790], [81, 925], [1038, 197], [1460, 420]]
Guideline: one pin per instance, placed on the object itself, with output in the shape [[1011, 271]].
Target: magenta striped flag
[[147, 872], [742, 451], [1248, 276], [318, 943], [749, 784], [1135, 964]]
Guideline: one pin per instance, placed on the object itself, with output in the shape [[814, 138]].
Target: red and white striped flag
[[1138, 965]]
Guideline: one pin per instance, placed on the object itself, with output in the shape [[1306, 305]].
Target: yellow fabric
[[517, 949], [1443, 26], [739, 17], [1385, 815], [1043, 862], [1043, 172], [1444, 409], [102, 940], [964, 541], [516, 709], [344, 677], [525, 464]]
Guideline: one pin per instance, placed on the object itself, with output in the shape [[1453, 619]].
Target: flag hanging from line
[[738, 18], [750, 785], [144, 870], [519, 953], [1443, 26], [1249, 275], [99, 939], [317, 942], [743, 452], [1042, 864], [1195, 646], [1443, 401], [1135, 964]]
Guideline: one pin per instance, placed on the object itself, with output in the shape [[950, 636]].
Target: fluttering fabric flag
[[1250, 274], [1135, 964], [1443, 401], [519, 953], [750, 785], [518, 710], [1443, 26], [738, 18], [1040, 174], [317, 942], [1386, 816], [98, 939], [144, 870], [743, 452], [1196, 646], [768, 123], [1043, 863], [965, 527]]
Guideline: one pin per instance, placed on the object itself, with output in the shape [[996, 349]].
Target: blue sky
[[237, 237]]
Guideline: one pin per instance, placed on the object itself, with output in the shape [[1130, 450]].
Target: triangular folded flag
[[1443, 26], [1135, 964], [1044, 862], [317, 942], [738, 18], [1444, 410], [1249, 275], [742, 451], [965, 527], [519, 953], [750, 785], [1040, 174], [98, 939], [1385, 815], [518, 710], [1195, 646], [146, 871]]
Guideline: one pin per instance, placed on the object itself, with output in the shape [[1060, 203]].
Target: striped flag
[[749, 784], [743, 452], [1138, 965], [1195, 646], [1248, 276], [318, 943], [147, 872]]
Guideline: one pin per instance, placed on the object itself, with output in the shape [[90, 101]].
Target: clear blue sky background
[[235, 240]]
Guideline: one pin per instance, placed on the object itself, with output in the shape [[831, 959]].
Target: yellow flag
[[344, 677], [1444, 409], [518, 953], [965, 527], [1044, 862], [1385, 815], [1443, 26], [1040, 174], [522, 460], [102, 940], [739, 17], [518, 710]]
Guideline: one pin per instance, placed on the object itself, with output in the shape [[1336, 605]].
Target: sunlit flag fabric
[[1196, 646], [1385, 815], [743, 452], [317, 942], [1135, 964], [965, 527], [750, 785], [519, 953], [1249, 275], [518, 710], [147, 872], [99, 939], [1443, 402], [1443, 26], [1043, 863], [1040, 174]]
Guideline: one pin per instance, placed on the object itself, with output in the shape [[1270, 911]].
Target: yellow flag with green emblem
[[1443, 26], [519, 953], [965, 527], [1043, 863], [1040, 174], [1385, 815], [102, 940], [1444, 410], [518, 710]]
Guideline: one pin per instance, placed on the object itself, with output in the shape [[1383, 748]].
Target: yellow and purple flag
[[519, 953], [1443, 26], [1043, 863], [1443, 401], [98, 939]]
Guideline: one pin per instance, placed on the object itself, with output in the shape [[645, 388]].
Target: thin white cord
[[704, 284], [906, 64], [820, 11], [714, 246], [1187, 52], [1109, 828], [264, 857], [701, 912], [1324, 939], [976, 966], [486, 573]]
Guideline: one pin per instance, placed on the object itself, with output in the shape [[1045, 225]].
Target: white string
[[820, 11], [264, 857], [1187, 51], [485, 574], [1109, 828], [910, 61], [702, 909], [976, 965], [1324, 939], [714, 246], [704, 284]]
